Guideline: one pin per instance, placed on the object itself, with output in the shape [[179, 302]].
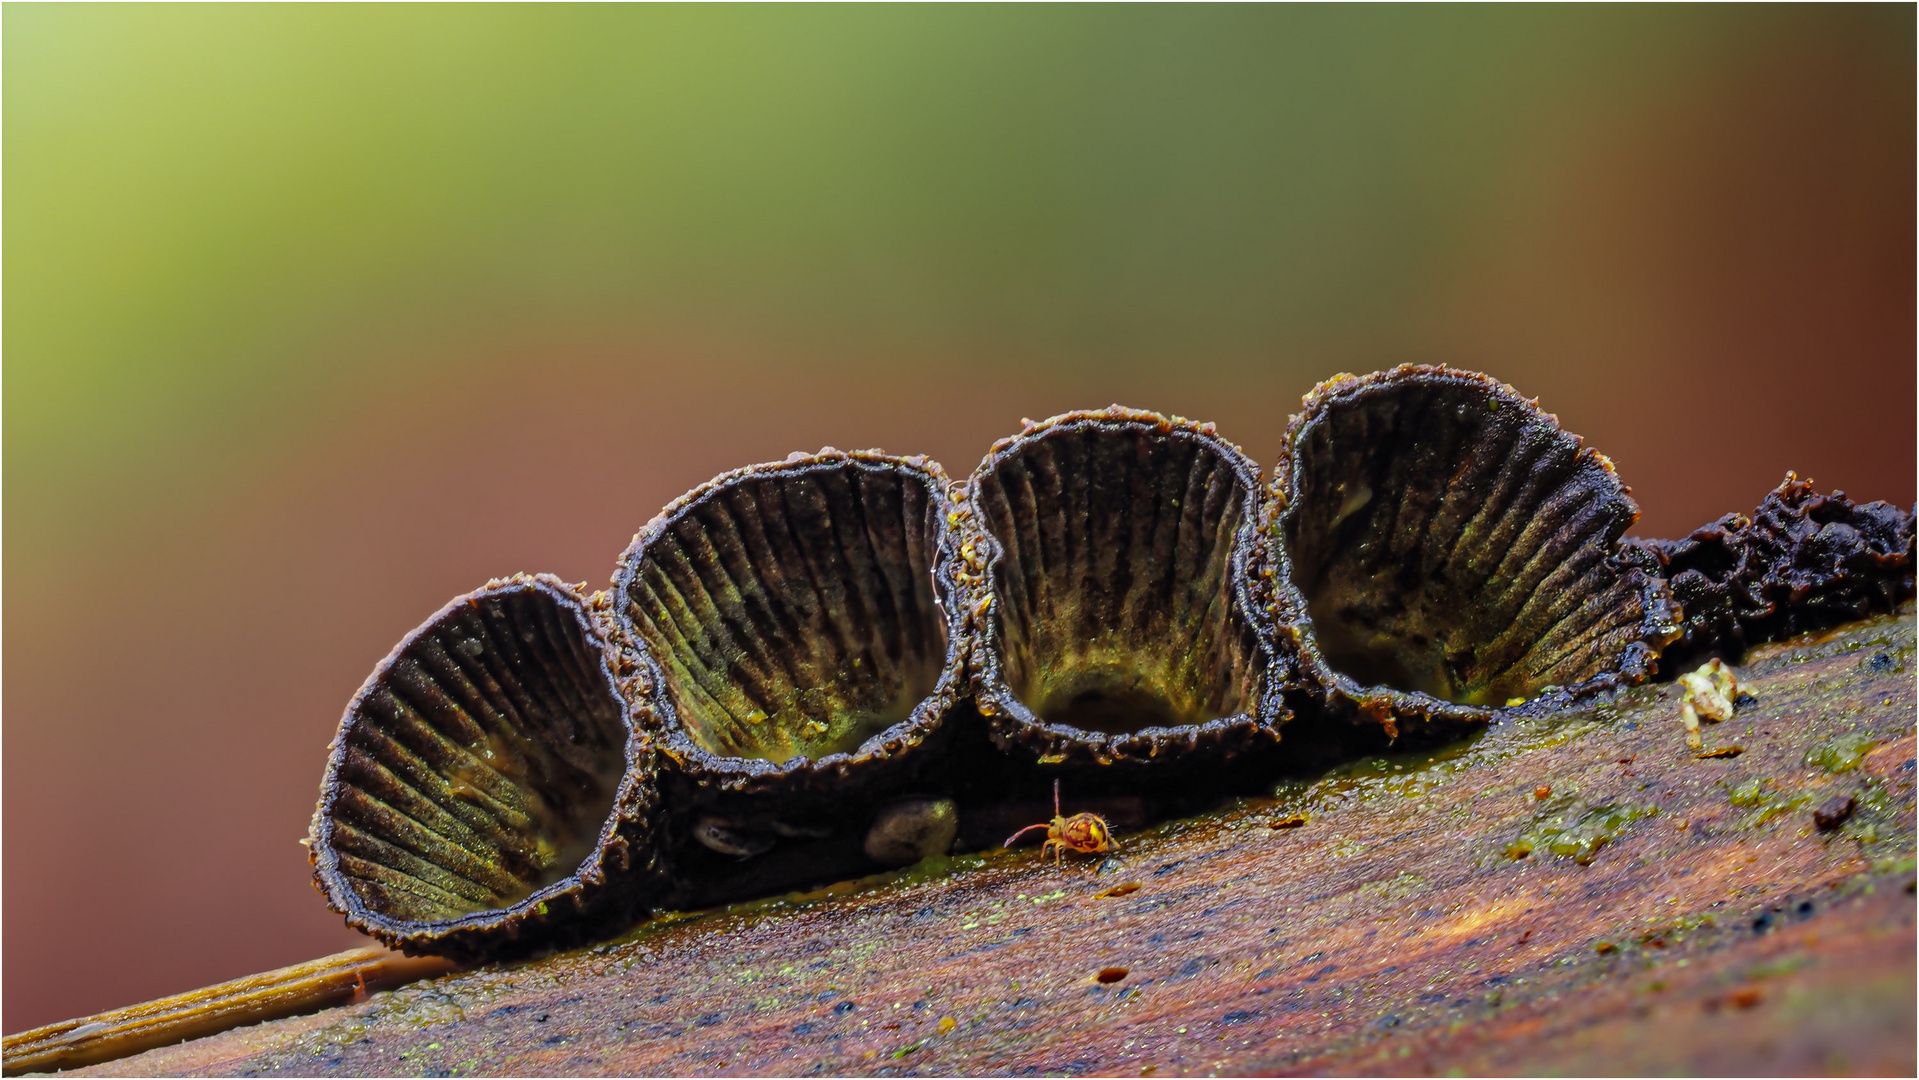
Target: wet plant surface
[[1570, 893]]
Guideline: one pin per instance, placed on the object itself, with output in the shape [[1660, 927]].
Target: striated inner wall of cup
[[793, 610], [1454, 541], [483, 761], [1115, 593]]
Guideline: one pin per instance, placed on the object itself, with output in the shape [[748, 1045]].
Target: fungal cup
[[484, 788], [798, 644], [1441, 550], [1119, 622]]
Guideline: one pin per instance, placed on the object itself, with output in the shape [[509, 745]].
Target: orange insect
[[1087, 833]]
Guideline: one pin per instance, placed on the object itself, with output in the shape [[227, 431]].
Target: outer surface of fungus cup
[[1442, 551], [485, 790], [809, 641], [1119, 620]]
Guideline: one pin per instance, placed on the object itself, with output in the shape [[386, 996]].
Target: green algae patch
[[1775, 808], [1578, 839], [1766, 801], [1842, 754]]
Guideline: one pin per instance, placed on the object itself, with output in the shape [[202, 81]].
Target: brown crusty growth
[[1802, 561]]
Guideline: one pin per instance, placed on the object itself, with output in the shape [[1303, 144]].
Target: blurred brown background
[[317, 316]]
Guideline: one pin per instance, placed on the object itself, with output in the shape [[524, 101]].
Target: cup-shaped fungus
[[1442, 550], [484, 789], [1120, 621], [805, 621]]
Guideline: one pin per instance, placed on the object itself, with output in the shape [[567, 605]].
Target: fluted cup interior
[[1451, 540], [480, 762], [1114, 592], [792, 607]]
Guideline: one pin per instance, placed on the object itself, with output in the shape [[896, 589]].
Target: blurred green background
[[316, 316]]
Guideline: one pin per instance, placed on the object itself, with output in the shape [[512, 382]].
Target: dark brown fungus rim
[[695, 768], [1394, 709], [613, 880], [1014, 725]]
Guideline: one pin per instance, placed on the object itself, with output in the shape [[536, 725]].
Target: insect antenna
[[1009, 840]]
